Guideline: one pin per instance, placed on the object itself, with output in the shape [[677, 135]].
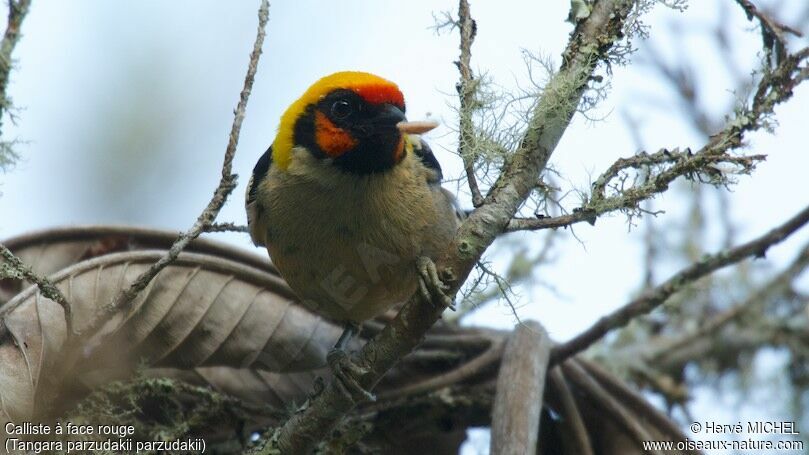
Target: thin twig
[[226, 227], [701, 166], [226, 184], [503, 286], [17, 11], [658, 351], [13, 267], [772, 32], [774, 88], [658, 295], [467, 93]]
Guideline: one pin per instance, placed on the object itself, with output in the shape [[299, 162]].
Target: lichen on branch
[[17, 10]]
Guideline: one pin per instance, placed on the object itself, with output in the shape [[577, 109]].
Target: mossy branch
[[776, 86], [17, 10], [226, 227], [14, 268], [466, 93], [610, 191]]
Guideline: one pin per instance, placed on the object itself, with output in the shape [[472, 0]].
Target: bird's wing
[[260, 171], [427, 158], [254, 209]]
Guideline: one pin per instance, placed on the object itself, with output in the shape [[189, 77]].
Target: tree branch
[[17, 10], [702, 167], [655, 297], [226, 185], [466, 92], [773, 33], [775, 87], [589, 44], [670, 353], [14, 268], [226, 227]]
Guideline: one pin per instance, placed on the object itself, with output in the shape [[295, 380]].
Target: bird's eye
[[341, 109]]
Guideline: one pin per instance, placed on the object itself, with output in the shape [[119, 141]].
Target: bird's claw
[[432, 289], [340, 365]]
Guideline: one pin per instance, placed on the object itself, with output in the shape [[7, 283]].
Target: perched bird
[[347, 200]]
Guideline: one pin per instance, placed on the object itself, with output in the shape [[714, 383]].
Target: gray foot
[[340, 365], [430, 286]]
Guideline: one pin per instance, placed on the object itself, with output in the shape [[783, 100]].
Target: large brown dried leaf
[[51, 250], [199, 311]]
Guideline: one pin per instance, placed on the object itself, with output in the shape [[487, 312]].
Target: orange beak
[[416, 127]]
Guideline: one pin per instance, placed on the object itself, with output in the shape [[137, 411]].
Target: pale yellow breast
[[348, 244]]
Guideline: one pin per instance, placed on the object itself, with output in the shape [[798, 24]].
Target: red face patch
[[381, 93], [398, 154], [333, 140]]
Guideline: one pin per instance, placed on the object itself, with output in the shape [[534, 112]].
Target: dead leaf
[[51, 250], [199, 311]]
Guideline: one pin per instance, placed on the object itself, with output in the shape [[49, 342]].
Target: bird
[[348, 202]]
